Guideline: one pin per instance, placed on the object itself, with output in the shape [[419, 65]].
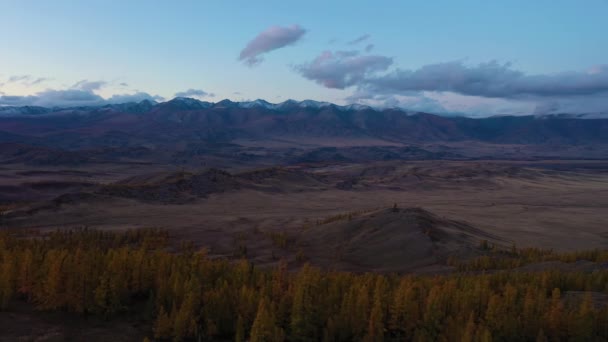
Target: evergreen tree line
[[497, 258], [187, 295]]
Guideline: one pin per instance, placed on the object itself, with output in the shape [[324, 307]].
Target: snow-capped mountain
[[25, 110], [356, 106], [290, 104], [191, 104], [187, 103], [313, 104], [258, 103], [596, 115]]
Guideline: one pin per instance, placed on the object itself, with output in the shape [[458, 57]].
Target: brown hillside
[[391, 240]]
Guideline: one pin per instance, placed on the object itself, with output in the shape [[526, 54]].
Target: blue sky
[[439, 56]]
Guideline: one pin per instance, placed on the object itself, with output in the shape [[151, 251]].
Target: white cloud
[[72, 98], [273, 38], [343, 69], [194, 93]]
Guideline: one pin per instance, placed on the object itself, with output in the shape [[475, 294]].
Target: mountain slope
[[183, 120], [391, 240]]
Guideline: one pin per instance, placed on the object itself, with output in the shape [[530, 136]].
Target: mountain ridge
[[188, 103], [187, 128]]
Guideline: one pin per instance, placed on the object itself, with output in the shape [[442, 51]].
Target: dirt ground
[[336, 216], [561, 205]]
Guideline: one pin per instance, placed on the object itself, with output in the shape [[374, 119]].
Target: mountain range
[[180, 103], [184, 127], [185, 103]]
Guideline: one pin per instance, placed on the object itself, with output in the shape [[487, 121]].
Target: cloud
[[491, 79], [194, 93], [82, 93], [419, 103], [343, 69], [449, 104], [136, 97], [273, 38], [568, 105], [414, 102], [38, 80], [19, 78], [50, 98], [89, 85], [72, 98], [369, 47], [26, 80], [493, 87], [359, 39]]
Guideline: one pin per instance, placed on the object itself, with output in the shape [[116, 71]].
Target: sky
[[474, 58]]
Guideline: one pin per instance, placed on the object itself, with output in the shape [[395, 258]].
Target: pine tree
[[264, 328], [25, 278], [484, 335], [541, 336], [583, 321], [53, 288], [469, 329], [240, 330], [303, 317], [76, 271], [434, 311], [184, 322], [6, 281], [404, 310], [375, 329], [163, 325], [531, 310], [555, 315], [102, 296]]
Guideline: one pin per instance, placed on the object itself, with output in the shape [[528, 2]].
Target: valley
[[232, 176], [273, 171], [559, 205], [119, 201]]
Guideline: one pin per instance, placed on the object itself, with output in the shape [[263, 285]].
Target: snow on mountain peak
[[257, 103]]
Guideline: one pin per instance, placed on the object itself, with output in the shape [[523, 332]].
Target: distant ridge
[[183, 122], [187, 103]]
